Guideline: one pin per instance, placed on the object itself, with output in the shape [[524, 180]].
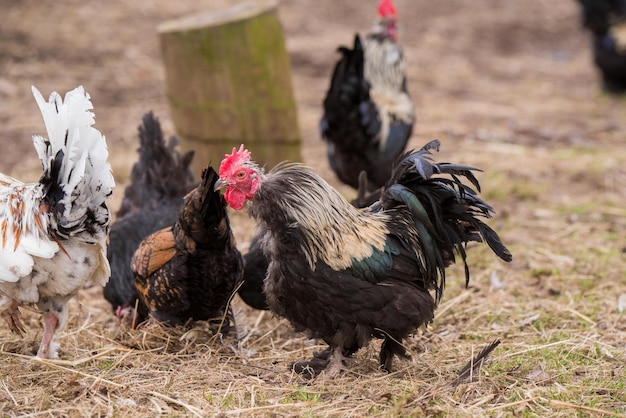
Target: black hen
[[368, 114], [606, 20], [190, 271], [159, 181]]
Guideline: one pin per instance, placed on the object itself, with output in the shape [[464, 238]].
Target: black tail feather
[[350, 117], [445, 210], [203, 216], [161, 171], [213, 208]]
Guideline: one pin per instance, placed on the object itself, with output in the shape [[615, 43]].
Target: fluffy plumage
[[189, 271], [256, 263], [346, 275], [368, 114], [54, 231], [158, 182]]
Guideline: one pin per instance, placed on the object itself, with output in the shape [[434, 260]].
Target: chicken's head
[[240, 177], [387, 19]]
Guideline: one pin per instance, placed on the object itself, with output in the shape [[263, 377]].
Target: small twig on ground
[[562, 404], [195, 411]]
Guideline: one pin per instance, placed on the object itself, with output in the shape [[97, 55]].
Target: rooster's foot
[[13, 317], [330, 361]]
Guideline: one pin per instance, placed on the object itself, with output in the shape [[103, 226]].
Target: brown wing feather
[[154, 252]]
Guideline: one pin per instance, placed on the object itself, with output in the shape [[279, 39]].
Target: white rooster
[[53, 232]]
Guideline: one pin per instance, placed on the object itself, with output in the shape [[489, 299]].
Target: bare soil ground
[[506, 86]]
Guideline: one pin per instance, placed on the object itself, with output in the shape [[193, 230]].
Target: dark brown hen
[[190, 271]]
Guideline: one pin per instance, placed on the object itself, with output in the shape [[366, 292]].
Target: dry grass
[[504, 85]]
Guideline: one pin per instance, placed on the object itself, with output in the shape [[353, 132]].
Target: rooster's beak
[[220, 184]]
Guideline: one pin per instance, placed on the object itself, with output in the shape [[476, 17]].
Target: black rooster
[[346, 275], [368, 114], [190, 271], [159, 181], [606, 20]]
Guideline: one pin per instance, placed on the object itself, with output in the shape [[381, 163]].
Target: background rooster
[[190, 270], [346, 275], [54, 231], [368, 114], [159, 181], [606, 20]]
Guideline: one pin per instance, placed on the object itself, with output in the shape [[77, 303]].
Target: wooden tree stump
[[228, 81]]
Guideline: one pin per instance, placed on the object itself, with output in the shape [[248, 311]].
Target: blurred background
[[484, 70]]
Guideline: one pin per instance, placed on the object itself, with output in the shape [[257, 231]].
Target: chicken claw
[[13, 317]]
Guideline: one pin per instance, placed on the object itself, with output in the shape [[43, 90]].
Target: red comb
[[386, 8], [237, 157]]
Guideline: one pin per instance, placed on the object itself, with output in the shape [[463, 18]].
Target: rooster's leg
[[336, 363], [12, 315], [330, 360], [47, 348], [313, 367]]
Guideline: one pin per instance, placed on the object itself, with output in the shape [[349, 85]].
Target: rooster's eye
[[241, 174]]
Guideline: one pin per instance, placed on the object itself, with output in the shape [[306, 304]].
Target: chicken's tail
[[161, 171], [350, 118], [204, 217], [446, 211], [76, 176]]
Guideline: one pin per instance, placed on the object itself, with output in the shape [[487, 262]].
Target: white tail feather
[[85, 175]]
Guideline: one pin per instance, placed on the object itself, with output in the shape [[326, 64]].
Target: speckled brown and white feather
[[53, 232]]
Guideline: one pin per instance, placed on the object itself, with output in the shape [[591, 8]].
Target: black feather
[[52, 184], [161, 173], [449, 208], [470, 371]]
